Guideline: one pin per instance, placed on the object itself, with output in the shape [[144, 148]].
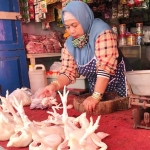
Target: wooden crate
[[105, 106]]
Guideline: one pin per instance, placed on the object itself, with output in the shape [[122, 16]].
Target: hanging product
[[120, 11], [31, 9], [43, 6], [123, 1], [24, 11], [89, 1], [43, 9], [126, 11], [37, 11], [59, 9], [114, 9], [50, 17], [64, 3]]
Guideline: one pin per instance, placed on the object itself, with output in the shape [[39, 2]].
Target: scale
[[141, 114], [138, 88]]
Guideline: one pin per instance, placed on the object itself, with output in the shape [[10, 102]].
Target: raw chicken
[[7, 126], [21, 138], [58, 132]]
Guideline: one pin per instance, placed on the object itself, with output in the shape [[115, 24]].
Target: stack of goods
[[122, 36], [120, 9], [126, 38], [138, 11], [139, 33], [36, 44]]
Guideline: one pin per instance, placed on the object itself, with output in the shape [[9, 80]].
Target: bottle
[[37, 77]]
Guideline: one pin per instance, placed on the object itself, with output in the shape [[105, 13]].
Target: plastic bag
[[41, 102], [56, 66], [23, 94]]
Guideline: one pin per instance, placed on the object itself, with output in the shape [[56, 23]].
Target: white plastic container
[[139, 81], [37, 77]]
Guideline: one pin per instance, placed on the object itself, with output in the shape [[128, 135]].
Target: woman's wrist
[[97, 96], [56, 84]]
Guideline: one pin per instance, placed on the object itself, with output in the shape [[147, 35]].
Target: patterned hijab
[[82, 12]]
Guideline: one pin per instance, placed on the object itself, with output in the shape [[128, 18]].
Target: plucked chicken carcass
[[9, 120], [7, 107], [49, 142], [49, 137], [83, 138], [86, 138], [7, 125], [48, 129], [58, 132], [22, 137]]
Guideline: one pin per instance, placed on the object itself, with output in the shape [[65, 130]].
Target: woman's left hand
[[90, 104]]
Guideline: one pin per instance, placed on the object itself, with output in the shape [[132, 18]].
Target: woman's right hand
[[48, 91]]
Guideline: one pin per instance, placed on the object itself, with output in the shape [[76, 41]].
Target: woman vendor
[[90, 51]]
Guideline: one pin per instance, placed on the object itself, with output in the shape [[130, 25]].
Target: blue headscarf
[[82, 12]]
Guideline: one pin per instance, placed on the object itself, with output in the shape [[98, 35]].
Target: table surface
[[119, 126]]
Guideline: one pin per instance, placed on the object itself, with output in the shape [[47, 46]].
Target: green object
[[59, 22]]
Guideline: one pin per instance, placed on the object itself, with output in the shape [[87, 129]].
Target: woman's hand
[[48, 91], [90, 104]]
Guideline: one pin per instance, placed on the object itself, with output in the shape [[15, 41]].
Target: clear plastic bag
[[23, 94], [42, 102], [55, 66]]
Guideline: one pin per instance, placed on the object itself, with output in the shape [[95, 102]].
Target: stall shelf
[[131, 51], [33, 57]]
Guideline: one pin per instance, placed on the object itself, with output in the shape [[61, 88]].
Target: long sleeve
[[69, 67], [106, 52]]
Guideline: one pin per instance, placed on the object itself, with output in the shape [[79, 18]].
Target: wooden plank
[[43, 55], [10, 15], [32, 57]]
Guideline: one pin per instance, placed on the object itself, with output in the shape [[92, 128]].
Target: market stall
[[127, 128]]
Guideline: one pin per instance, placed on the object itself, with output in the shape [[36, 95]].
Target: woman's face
[[74, 28]]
